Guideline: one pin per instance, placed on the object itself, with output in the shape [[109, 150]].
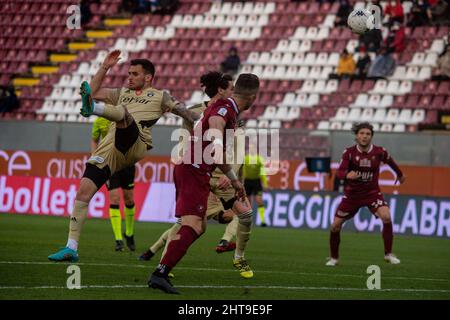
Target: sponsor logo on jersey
[[96, 159], [129, 100], [150, 94], [365, 163], [222, 111]]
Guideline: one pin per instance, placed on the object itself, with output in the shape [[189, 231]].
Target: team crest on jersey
[[357, 158], [365, 163], [222, 111]]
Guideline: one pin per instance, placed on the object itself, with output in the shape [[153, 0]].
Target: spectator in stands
[[85, 10], [8, 99], [394, 12], [440, 13], [395, 40], [346, 66], [443, 65], [344, 10], [382, 66], [128, 5], [231, 63], [163, 6], [371, 40], [363, 64], [420, 14]]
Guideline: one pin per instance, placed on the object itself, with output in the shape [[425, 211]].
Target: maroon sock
[[177, 248], [335, 239], [388, 237]]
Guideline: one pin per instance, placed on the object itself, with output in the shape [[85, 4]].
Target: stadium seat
[[392, 116]]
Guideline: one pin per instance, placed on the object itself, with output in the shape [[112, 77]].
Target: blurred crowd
[[391, 38]]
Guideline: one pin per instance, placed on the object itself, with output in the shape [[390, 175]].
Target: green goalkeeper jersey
[[100, 128]]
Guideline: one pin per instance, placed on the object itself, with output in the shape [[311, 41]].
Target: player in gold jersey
[[133, 111]]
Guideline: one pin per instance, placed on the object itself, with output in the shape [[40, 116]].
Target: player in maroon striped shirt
[[192, 178], [360, 167]]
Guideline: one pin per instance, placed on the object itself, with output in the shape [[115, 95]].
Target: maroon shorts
[[192, 190], [350, 206]]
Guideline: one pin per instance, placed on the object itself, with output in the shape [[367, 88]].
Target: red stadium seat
[[438, 102]]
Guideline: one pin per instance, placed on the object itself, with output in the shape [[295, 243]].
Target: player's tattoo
[[178, 108], [189, 116]]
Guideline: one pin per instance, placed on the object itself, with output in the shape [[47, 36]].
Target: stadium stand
[[292, 46]]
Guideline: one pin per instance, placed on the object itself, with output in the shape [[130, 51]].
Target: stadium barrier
[[155, 202], [292, 175]]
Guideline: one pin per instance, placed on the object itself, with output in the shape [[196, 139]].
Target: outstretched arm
[[102, 94], [170, 104]]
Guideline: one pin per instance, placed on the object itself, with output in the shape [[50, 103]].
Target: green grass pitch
[[288, 264]]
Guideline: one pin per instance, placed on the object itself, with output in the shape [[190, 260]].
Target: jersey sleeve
[[112, 96], [386, 158], [343, 165], [221, 111]]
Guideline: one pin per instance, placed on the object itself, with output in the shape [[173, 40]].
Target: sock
[[388, 237], [178, 247], [116, 221], [72, 244], [243, 233], [231, 229], [261, 214], [161, 242], [129, 220], [335, 239], [170, 235], [79, 214], [112, 113]]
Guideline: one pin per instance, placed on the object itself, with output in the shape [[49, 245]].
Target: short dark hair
[[363, 125], [147, 65], [214, 80], [247, 84]]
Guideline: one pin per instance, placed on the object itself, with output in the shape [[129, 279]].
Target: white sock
[[99, 109], [72, 244]]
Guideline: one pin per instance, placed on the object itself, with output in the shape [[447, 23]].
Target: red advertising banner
[[292, 175], [56, 196]]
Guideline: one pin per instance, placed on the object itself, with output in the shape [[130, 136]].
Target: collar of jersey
[[234, 104], [368, 151]]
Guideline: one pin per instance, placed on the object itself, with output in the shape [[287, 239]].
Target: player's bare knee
[[86, 190], [114, 197], [386, 219], [128, 199]]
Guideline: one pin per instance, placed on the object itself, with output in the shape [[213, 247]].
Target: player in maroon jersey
[[360, 167], [206, 152]]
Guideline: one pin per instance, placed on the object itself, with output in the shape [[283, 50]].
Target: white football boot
[[391, 258], [332, 262]]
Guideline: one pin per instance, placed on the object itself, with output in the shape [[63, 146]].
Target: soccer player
[[192, 178], [133, 111], [216, 86], [124, 180], [360, 167], [255, 179]]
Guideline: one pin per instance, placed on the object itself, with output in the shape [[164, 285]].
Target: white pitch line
[[221, 270], [235, 287]]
